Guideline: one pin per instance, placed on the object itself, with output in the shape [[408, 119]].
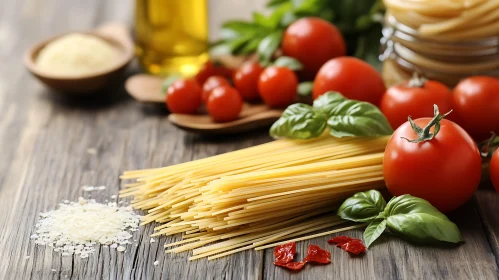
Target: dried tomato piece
[[355, 247], [340, 240], [284, 253], [317, 255], [294, 265]]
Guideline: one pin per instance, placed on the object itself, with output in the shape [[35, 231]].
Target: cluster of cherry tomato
[[474, 101], [276, 86]]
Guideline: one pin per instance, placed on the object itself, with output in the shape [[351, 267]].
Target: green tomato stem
[[424, 134]]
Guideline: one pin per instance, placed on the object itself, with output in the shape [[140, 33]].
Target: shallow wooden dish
[[114, 33], [147, 89]]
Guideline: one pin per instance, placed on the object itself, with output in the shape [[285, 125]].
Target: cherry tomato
[[212, 83], [494, 170], [277, 86], [211, 69], [224, 104], [352, 77], [403, 100], [183, 97], [445, 170], [476, 105], [313, 41], [246, 80]]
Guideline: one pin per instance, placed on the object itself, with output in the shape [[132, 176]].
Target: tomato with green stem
[[494, 170], [183, 96], [476, 105], [224, 104], [212, 83], [246, 80], [352, 77], [434, 159], [486, 149], [277, 86], [313, 41], [414, 98]]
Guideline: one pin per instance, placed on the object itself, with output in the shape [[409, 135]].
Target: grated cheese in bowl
[[76, 227]]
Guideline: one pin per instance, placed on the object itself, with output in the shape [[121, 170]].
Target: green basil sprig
[[299, 121], [412, 218], [343, 117]]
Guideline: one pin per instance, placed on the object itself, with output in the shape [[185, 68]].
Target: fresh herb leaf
[[416, 220], [168, 81], [374, 231], [298, 121], [305, 88], [412, 218], [355, 118], [288, 62], [362, 206], [268, 46], [346, 117], [328, 101]]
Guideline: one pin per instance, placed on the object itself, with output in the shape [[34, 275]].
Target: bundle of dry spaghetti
[[257, 196], [453, 19]]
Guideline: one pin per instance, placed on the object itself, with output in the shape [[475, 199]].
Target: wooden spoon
[[147, 89], [114, 33]]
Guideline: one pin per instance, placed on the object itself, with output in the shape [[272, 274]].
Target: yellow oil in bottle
[[171, 35]]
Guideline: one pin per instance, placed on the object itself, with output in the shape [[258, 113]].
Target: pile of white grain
[[77, 227]]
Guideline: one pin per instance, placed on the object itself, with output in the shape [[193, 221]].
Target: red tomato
[[352, 77], [494, 170], [211, 69], [212, 83], [402, 100], [246, 80], [224, 104], [445, 170], [476, 105], [277, 86], [183, 97], [313, 41]]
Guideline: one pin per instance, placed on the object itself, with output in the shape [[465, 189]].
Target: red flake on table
[[340, 240], [316, 254], [355, 247], [284, 253], [294, 265]]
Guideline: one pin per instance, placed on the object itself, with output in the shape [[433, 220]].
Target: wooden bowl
[[115, 34]]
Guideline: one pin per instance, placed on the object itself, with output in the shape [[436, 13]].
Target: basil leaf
[[424, 228], [373, 231], [269, 45], [298, 121], [168, 81], [240, 27], [408, 204], [305, 88], [327, 101], [362, 206], [355, 118], [416, 220], [251, 46], [288, 62]]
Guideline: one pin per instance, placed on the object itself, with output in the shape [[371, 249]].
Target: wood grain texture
[[51, 146]]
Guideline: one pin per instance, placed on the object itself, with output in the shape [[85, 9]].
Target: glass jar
[[171, 35], [439, 58]]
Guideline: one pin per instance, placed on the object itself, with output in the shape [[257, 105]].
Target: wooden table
[[51, 146]]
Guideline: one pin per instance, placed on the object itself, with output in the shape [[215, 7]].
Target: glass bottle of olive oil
[[171, 35]]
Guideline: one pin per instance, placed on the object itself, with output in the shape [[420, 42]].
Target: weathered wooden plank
[[392, 258], [488, 204], [47, 149]]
